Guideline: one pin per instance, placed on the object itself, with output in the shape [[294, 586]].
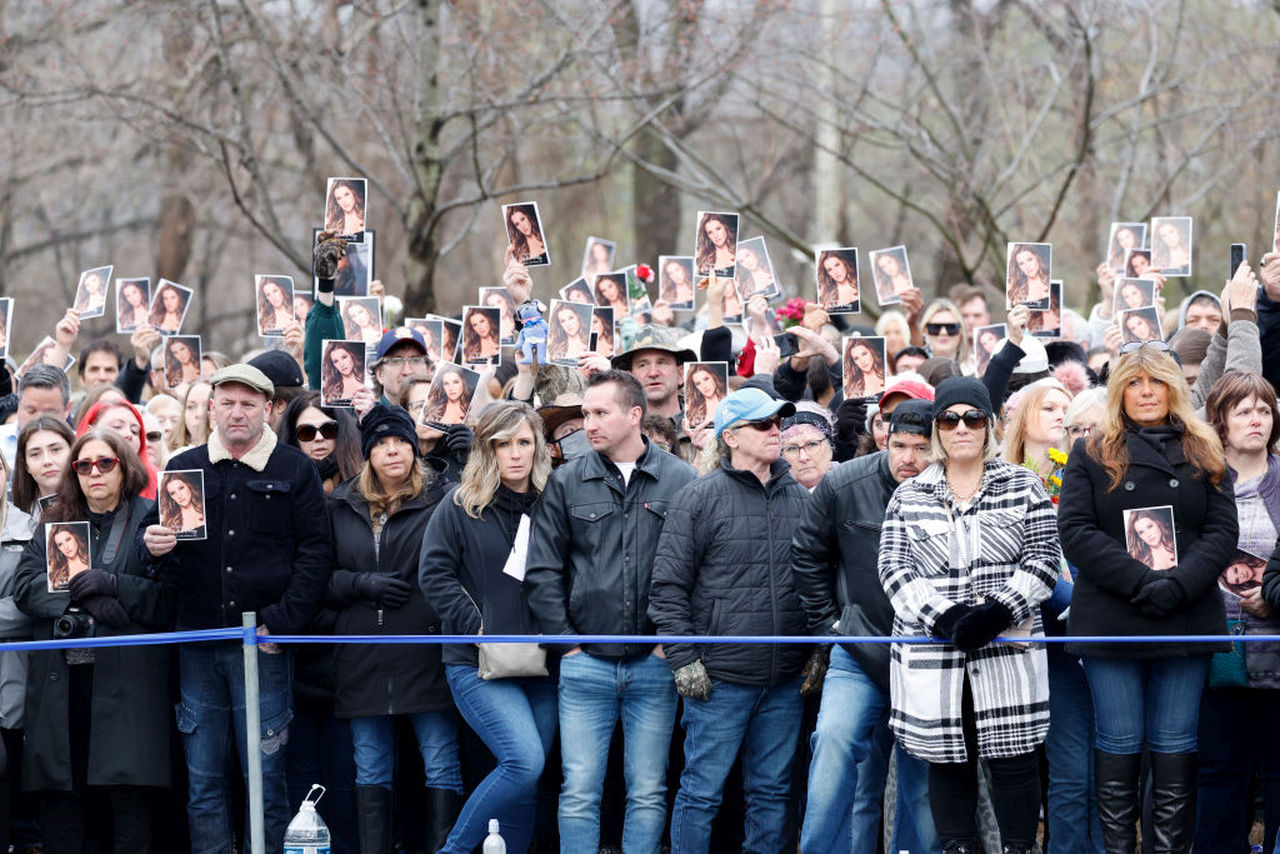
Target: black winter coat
[[834, 559], [724, 568], [383, 679], [132, 715], [1091, 525]]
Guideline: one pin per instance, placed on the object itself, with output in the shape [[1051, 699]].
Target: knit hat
[[385, 420], [955, 390]]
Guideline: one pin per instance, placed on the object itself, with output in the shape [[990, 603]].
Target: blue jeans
[[1073, 812], [374, 740], [851, 749], [594, 693], [765, 724], [1147, 701], [516, 720], [210, 714]]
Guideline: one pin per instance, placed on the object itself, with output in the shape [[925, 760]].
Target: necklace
[[961, 496]]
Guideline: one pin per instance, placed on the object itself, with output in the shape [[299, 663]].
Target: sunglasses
[[763, 425], [327, 430], [942, 328], [103, 464], [974, 419], [1135, 346], [154, 437]]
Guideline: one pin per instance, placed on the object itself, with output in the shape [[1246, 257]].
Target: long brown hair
[[25, 490], [70, 505], [1234, 387], [1200, 444]]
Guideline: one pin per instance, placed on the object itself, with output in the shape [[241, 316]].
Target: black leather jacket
[[592, 545]]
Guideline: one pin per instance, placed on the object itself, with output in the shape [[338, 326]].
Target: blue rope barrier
[[194, 636]]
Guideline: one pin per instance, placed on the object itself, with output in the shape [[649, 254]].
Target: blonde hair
[[480, 477], [1015, 432], [1200, 443], [389, 502], [938, 306]]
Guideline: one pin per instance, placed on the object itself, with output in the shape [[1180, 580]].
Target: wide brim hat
[[652, 337]]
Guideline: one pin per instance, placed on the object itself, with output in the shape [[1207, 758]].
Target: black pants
[[1015, 790]]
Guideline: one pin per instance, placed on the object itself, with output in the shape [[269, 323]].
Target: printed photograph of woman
[[341, 372], [892, 274], [67, 552], [361, 318], [1243, 573], [864, 370], [344, 211], [91, 292], [524, 233], [181, 498], [450, 395], [452, 335], [480, 343], [705, 385], [432, 331], [675, 281], [275, 304], [169, 306], [355, 269], [837, 271], [6, 322], [754, 270], [732, 303], [1048, 323], [602, 328], [1140, 324], [1149, 536], [597, 258], [1027, 277], [578, 291], [1134, 293], [182, 355], [45, 353], [568, 332], [1124, 236], [1275, 240], [1171, 245], [500, 298], [611, 290], [715, 243], [133, 300], [985, 341], [1137, 262]]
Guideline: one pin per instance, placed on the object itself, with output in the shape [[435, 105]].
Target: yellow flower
[[1057, 456]]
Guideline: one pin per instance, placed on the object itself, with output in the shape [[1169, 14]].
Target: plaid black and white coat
[[1003, 546]]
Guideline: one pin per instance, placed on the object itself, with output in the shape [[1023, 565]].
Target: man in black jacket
[[591, 552], [833, 560], [269, 550]]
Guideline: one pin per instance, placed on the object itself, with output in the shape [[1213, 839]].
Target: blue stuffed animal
[[531, 343]]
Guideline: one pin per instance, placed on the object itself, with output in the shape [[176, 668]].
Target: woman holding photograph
[[525, 235], [1137, 327], [360, 323], [342, 376], [612, 291], [891, 277], [44, 446], [706, 389], [752, 272], [1029, 277], [379, 519], [716, 246], [182, 504], [1170, 251], [1151, 450], [98, 721], [837, 280], [1150, 539], [344, 214], [180, 363], [329, 436], [480, 342], [968, 552], [1121, 242], [506, 306], [131, 305], [568, 338], [275, 308], [448, 402], [864, 367], [1241, 408], [468, 542], [92, 298], [604, 335], [677, 282], [166, 313]]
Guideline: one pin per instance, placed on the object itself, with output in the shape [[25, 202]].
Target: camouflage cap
[[653, 337]]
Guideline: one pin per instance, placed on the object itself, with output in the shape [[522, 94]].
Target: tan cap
[[245, 375]]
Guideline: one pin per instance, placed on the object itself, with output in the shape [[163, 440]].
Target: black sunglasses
[[941, 328], [103, 464], [763, 425], [974, 419], [307, 432]]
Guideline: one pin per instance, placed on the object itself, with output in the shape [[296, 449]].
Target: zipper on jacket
[[773, 592], [377, 566]]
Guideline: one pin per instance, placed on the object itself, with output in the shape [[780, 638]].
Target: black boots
[[373, 819], [1116, 783], [1173, 791], [443, 806]]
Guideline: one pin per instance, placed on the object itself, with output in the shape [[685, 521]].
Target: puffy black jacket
[[724, 568], [592, 546], [382, 679], [834, 555]]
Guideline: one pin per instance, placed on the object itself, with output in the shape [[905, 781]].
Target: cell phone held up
[[1239, 251]]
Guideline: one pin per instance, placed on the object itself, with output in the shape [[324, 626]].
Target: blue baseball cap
[[749, 404], [399, 335]]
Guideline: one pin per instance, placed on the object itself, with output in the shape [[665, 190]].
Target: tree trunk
[[422, 224]]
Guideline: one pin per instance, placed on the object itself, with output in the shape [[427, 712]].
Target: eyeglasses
[[974, 419], [1076, 431], [810, 448], [103, 464], [763, 425], [942, 328], [307, 432], [154, 437], [405, 361]]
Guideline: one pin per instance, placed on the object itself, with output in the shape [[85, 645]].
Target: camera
[[73, 624]]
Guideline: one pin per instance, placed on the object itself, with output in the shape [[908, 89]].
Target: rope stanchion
[[253, 732]]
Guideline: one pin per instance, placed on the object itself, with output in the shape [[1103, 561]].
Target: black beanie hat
[[912, 416], [385, 420], [968, 390]]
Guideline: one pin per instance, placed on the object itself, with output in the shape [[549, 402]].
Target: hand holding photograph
[[66, 553], [1149, 536], [450, 396], [181, 499]]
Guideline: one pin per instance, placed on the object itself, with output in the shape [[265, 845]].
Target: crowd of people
[[1076, 486]]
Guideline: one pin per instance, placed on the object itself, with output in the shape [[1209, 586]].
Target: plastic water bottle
[[307, 833], [493, 843]]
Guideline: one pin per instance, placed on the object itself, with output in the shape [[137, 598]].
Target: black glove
[[1160, 596], [390, 590], [106, 610], [92, 582], [329, 250], [851, 418], [980, 626], [458, 439], [945, 625]]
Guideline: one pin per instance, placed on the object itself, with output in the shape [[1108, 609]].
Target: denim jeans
[[516, 720], [374, 740], [764, 723], [594, 693], [851, 748], [1073, 813], [1147, 701], [210, 714], [1238, 736]]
